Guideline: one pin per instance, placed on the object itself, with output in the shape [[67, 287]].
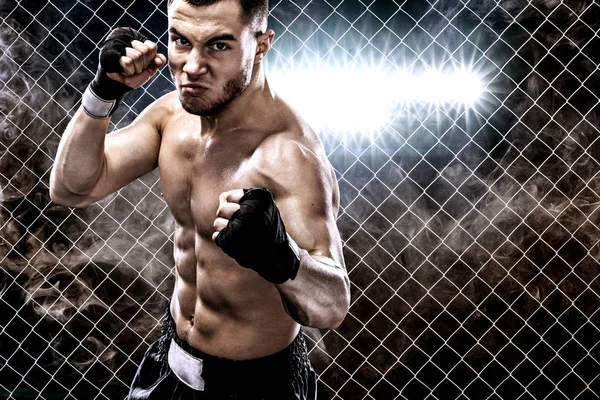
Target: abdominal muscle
[[224, 309]]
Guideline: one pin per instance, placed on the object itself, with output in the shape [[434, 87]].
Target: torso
[[219, 307]]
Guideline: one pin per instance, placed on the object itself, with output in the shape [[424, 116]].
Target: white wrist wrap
[[96, 107]]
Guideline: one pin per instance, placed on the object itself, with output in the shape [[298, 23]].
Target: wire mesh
[[470, 233]]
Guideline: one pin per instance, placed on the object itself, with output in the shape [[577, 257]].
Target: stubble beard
[[232, 89]]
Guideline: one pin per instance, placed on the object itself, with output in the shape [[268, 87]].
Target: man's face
[[211, 54]]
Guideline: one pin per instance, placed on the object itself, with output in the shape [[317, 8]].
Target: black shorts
[[283, 375]]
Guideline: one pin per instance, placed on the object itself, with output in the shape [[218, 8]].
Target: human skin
[[204, 161]]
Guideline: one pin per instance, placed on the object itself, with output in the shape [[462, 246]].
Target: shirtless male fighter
[[256, 248]]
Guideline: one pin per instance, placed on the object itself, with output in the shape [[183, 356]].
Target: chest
[[195, 171]]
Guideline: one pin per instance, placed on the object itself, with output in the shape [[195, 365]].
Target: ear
[[263, 45]]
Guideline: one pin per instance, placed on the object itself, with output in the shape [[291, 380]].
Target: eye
[[181, 41], [219, 46]]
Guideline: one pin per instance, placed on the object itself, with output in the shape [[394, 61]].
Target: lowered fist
[[250, 230]]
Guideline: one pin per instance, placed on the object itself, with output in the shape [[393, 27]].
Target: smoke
[[499, 240], [543, 187], [525, 237], [494, 213], [93, 282], [90, 291]]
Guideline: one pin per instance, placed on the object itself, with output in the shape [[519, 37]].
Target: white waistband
[[185, 366]]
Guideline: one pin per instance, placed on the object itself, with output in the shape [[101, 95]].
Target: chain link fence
[[471, 233]]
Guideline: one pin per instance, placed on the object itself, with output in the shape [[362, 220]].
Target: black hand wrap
[[256, 238], [106, 94]]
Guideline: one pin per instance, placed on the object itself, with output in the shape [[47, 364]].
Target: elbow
[[58, 199], [67, 199], [329, 316], [334, 318], [341, 308], [61, 195], [57, 192]]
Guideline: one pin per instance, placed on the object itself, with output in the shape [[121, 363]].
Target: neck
[[241, 111]]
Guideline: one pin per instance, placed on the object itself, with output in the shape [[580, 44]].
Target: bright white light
[[364, 100]]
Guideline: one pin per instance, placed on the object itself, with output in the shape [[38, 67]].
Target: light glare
[[353, 100]]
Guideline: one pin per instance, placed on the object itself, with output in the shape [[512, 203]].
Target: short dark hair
[[254, 12]]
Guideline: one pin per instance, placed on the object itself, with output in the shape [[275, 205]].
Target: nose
[[195, 64]]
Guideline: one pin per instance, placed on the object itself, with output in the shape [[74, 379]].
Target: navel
[[186, 327]]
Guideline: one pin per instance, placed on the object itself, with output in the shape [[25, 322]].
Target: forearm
[[319, 296], [315, 290], [79, 160]]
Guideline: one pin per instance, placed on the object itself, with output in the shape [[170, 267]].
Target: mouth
[[193, 90]]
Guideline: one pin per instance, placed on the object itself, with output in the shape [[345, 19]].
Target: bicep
[[309, 208], [130, 152]]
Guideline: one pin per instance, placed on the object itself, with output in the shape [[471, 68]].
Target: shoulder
[[293, 161], [161, 110], [167, 103], [290, 142], [290, 149]]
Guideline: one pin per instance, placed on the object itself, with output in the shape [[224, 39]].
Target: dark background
[[470, 234]]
